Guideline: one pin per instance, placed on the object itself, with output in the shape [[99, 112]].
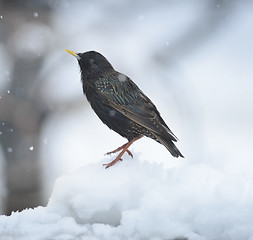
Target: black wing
[[123, 94]]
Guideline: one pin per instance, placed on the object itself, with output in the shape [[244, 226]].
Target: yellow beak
[[73, 53]]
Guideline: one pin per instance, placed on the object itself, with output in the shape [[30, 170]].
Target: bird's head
[[91, 63]]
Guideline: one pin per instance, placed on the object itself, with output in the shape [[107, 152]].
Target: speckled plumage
[[120, 104]]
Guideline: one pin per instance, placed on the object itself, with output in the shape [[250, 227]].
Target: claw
[[117, 150], [129, 153]]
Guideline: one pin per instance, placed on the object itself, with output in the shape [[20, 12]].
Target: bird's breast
[[88, 91]]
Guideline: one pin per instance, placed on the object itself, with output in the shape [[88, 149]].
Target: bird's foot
[[107, 165], [120, 148], [124, 149]]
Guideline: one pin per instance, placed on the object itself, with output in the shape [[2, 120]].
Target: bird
[[121, 105]]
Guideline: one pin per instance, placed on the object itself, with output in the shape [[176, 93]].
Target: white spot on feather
[[112, 113], [122, 77]]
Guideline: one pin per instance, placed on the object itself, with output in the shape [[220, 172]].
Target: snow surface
[[140, 200]]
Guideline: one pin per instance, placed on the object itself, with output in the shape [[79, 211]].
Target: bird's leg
[[124, 149], [120, 148]]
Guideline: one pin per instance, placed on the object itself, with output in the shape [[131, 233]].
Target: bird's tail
[[168, 143]]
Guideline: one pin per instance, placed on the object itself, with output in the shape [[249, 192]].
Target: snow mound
[[140, 200]]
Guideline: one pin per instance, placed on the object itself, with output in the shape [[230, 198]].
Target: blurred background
[[192, 58]]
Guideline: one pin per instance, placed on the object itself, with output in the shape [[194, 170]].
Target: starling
[[121, 105]]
